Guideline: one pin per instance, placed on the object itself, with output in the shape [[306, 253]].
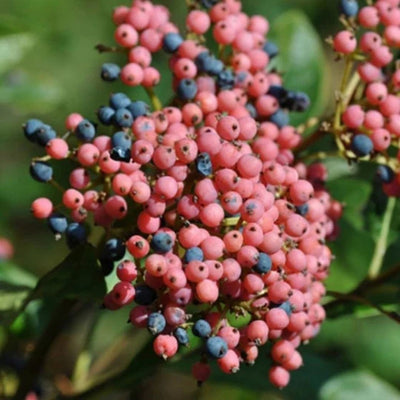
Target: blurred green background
[[49, 68]]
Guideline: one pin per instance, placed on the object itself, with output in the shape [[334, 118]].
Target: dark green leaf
[[12, 298], [301, 60], [78, 276]]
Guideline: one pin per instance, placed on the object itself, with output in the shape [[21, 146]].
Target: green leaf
[[12, 298], [358, 385], [13, 47], [78, 276], [301, 60], [13, 274]]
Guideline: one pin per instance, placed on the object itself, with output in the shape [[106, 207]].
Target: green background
[[49, 68]]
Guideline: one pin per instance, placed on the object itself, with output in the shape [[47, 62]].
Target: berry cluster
[[206, 214], [368, 116]]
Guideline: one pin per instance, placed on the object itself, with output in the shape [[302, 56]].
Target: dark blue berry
[[201, 328], [203, 164], [156, 323], [226, 79], [216, 347], [144, 295], [123, 118], [120, 154], [171, 42], [75, 234], [161, 243], [302, 209], [296, 101], [349, 7], [138, 108], [107, 265], [121, 139], [41, 171], [280, 118], [57, 223], [114, 249], [187, 89], [119, 100], [264, 264], [31, 127], [44, 134], [85, 131], [105, 115], [279, 92], [194, 253], [362, 145], [271, 49], [385, 173], [181, 336], [110, 72]]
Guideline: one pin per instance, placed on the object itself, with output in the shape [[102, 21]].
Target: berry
[[57, 223], [362, 145], [201, 328], [85, 131], [41, 171], [156, 323], [216, 347], [76, 234], [161, 243], [110, 72], [349, 7]]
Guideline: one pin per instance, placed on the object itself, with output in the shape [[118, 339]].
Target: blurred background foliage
[[49, 68]]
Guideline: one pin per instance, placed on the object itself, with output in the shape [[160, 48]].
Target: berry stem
[[155, 101], [358, 299], [381, 244]]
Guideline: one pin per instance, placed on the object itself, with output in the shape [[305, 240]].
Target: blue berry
[[114, 249], [156, 323], [287, 307], [385, 174], [41, 171], [226, 79], [110, 72], [279, 92], [362, 145], [201, 328], [105, 115], [123, 118], [121, 139], [181, 336], [215, 67], [252, 110], [161, 243], [203, 164], [280, 118], [264, 264], [349, 7], [57, 223], [194, 253], [302, 209], [171, 42], [187, 89], [144, 295], [75, 234], [119, 100], [119, 153], [271, 49], [202, 61], [216, 347], [44, 134], [85, 131], [208, 3], [138, 108], [31, 127]]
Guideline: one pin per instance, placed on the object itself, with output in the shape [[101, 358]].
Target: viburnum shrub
[[214, 224]]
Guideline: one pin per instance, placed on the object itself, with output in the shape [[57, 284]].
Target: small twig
[[381, 244], [102, 48]]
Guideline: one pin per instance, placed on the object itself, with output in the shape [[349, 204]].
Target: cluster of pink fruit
[[205, 195], [369, 105]]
